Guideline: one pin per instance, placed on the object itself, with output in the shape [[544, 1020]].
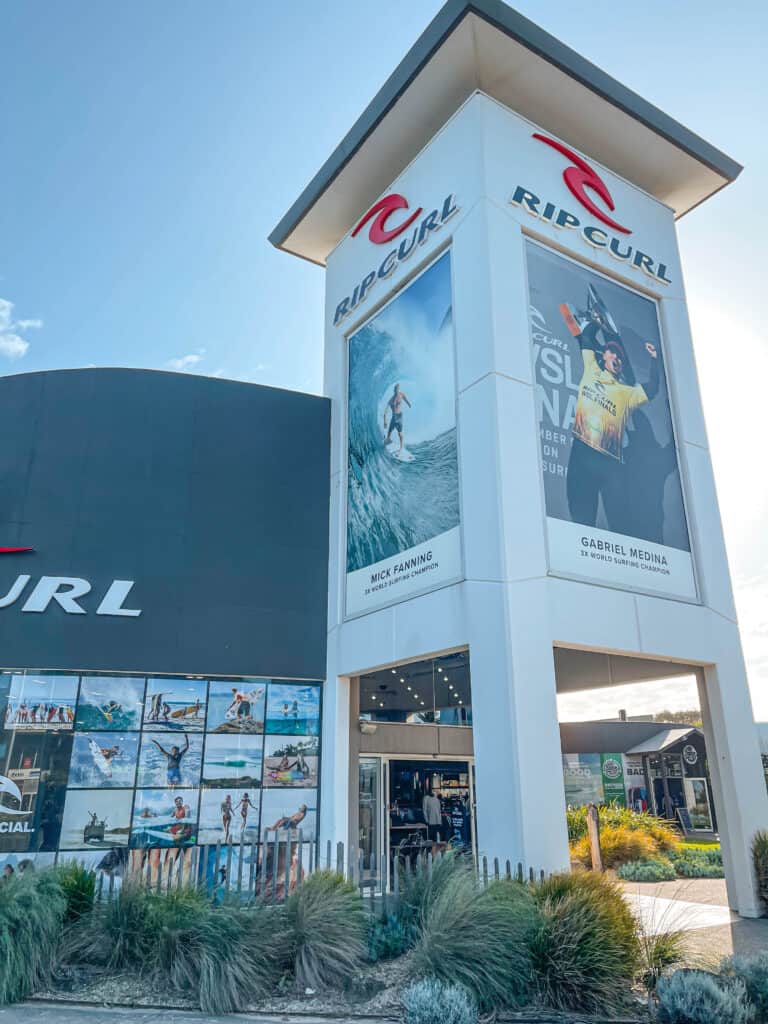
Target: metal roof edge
[[527, 33]]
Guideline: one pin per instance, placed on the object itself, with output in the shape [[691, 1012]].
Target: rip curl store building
[[522, 498], [163, 581], [354, 614]]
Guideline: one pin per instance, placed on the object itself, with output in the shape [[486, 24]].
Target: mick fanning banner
[[614, 501]]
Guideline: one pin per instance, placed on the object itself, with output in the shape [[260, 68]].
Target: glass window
[[435, 691]]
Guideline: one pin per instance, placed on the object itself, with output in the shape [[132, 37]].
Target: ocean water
[[232, 761], [153, 765], [96, 693], [392, 505], [286, 719], [154, 818], [112, 806], [85, 769]]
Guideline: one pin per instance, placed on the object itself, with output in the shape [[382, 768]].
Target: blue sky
[[149, 148]]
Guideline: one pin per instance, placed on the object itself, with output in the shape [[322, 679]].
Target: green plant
[[32, 909], [326, 930], [434, 1002], [753, 972], [618, 845], [420, 886], [477, 939], [228, 957], [78, 883], [389, 937], [664, 834], [698, 863], [760, 861], [654, 870], [696, 997], [585, 950]]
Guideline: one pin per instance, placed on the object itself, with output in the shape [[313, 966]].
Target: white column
[[735, 767]]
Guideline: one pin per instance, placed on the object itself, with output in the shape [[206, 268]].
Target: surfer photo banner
[[614, 501], [403, 534]]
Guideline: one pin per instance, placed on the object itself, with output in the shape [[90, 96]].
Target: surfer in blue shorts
[[174, 756], [395, 406]]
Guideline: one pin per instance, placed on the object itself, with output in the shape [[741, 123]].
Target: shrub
[[326, 930], [655, 870], [753, 972], [760, 861], [433, 1002], [389, 937], [585, 951], [696, 997], [227, 957], [659, 950], [420, 887], [114, 934], [78, 883], [665, 835], [476, 939], [698, 863], [619, 845], [32, 909]]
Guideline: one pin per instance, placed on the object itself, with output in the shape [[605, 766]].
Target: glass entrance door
[[370, 816]]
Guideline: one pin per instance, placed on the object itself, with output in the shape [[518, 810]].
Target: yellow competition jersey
[[603, 406]]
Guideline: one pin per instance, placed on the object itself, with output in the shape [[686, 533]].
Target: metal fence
[[271, 870]]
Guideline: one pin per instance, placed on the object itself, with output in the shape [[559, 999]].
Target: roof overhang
[[485, 45], [663, 740]]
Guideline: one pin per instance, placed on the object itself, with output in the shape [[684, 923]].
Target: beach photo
[[110, 702], [229, 816], [164, 818], [236, 708], [96, 819], [232, 761], [169, 866], [111, 863], [103, 759], [288, 810], [290, 761], [175, 704], [170, 759], [41, 703], [293, 710]]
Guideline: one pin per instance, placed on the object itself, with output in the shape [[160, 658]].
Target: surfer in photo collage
[[168, 759], [236, 708], [175, 704]]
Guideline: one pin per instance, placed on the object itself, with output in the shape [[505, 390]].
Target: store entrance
[[411, 807], [430, 808]]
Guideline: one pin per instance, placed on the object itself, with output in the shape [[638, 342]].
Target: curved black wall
[[211, 495]]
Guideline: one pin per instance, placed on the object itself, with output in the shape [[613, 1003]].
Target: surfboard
[[190, 709], [99, 760], [252, 696], [403, 456]]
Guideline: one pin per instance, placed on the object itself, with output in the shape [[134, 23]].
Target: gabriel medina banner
[[403, 480], [614, 501]]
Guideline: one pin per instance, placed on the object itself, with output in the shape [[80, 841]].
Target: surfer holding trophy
[[395, 406]]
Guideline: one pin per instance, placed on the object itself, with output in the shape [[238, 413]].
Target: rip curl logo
[[9, 786], [379, 233], [581, 176]]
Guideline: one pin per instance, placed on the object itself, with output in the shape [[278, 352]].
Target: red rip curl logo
[[581, 176], [379, 233]]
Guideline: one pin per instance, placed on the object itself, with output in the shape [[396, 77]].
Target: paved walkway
[[57, 1013], [698, 906]]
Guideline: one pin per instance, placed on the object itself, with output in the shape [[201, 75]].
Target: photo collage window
[[95, 766]]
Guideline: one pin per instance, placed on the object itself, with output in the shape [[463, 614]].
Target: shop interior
[[416, 765]]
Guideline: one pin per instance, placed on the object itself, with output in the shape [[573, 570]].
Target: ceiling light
[[439, 669], [422, 703], [408, 687], [461, 702], [394, 671], [401, 679]]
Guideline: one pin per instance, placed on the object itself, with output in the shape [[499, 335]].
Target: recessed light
[[408, 687], [401, 679], [461, 702], [422, 703], [394, 671]]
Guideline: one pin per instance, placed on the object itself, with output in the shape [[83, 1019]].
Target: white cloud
[[12, 345], [187, 362]]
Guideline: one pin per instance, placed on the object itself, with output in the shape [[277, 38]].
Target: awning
[[663, 740]]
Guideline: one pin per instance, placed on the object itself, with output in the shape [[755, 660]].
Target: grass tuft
[[32, 909]]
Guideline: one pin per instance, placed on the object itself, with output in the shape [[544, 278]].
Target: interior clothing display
[[432, 808]]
